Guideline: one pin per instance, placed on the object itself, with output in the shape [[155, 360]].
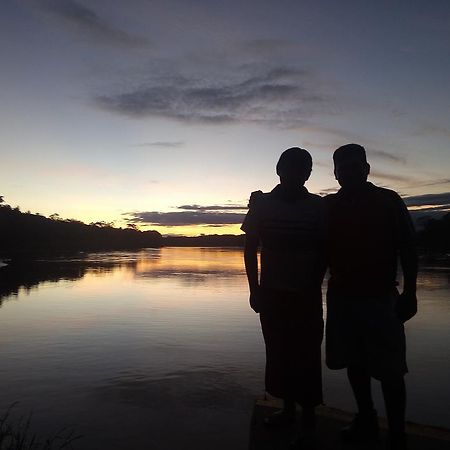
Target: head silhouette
[[351, 168], [294, 167]]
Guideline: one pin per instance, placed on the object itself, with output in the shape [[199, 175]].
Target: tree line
[[434, 238], [24, 233]]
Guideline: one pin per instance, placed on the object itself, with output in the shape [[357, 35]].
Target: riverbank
[[330, 421]]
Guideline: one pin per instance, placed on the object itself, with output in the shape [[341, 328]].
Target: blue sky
[[118, 110]]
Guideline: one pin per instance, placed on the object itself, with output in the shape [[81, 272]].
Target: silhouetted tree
[[435, 235], [26, 233]]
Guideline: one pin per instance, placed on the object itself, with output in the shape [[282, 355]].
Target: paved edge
[[412, 428]]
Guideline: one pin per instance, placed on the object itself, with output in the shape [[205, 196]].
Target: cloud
[[424, 207], [165, 144], [213, 207], [280, 96], [435, 200], [434, 208], [429, 183], [213, 215], [392, 176], [89, 21], [185, 218], [432, 129], [269, 47], [342, 137], [381, 154], [436, 182]]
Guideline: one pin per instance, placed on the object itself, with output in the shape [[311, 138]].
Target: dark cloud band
[[185, 218], [387, 156], [280, 96], [213, 215], [87, 19], [212, 208], [435, 200]]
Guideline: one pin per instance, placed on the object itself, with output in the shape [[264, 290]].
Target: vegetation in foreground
[[17, 435]]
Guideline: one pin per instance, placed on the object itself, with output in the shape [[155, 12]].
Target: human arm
[[251, 226], [323, 243], [251, 268], [407, 302]]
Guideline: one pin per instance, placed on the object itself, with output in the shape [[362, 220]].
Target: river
[[125, 347]]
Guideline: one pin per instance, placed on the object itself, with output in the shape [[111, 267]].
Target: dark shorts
[[366, 332], [292, 325]]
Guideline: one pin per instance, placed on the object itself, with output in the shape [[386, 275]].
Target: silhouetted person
[[370, 228], [288, 222]]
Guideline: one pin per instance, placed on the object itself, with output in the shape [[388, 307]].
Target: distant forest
[[434, 238], [25, 234]]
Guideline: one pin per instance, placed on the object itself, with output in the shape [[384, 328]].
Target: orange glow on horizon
[[193, 230]]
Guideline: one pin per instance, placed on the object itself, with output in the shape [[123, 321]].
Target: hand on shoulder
[[254, 197]]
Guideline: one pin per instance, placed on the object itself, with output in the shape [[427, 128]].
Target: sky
[[167, 114]]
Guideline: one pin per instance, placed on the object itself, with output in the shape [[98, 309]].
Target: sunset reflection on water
[[122, 332]]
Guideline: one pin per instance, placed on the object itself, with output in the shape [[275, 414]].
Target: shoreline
[[330, 420]]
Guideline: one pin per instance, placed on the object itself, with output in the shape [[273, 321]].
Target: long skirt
[[292, 326]]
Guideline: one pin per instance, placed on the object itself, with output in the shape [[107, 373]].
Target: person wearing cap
[[369, 230], [289, 224]]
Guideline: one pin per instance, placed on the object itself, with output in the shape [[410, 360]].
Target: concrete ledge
[[330, 420]]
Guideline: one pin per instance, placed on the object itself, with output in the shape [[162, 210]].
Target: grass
[[17, 435]]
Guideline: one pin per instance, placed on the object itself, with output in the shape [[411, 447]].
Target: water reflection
[[188, 266], [28, 275], [25, 277], [168, 328], [197, 388], [431, 278], [193, 266], [119, 344]]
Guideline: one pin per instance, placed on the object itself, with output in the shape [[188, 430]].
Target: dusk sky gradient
[[169, 113]]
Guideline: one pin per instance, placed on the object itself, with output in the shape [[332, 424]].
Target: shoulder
[[258, 199], [316, 201], [315, 197], [330, 199], [391, 201], [255, 212], [387, 195]]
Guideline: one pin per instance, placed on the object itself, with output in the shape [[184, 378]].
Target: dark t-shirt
[[292, 236], [366, 230]]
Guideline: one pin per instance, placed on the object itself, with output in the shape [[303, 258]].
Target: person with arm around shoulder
[[288, 224], [370, 230]]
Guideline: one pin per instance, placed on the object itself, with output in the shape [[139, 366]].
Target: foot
[[280, 418], [364, 428], [303, 441], [397, 442]]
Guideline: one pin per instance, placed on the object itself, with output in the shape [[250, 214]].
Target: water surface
[[126, 347]]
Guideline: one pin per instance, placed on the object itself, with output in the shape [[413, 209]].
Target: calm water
[[127, 347]]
